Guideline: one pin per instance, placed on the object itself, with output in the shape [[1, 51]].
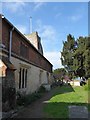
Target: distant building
[[22, 65]]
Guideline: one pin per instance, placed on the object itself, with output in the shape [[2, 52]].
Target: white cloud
[[49, 39], [75, 18], [22, 29], [13, 0], [22, 0], [38, 0], [0, 7], [48, 0], [18, 5], [47, 32], [38, 5], [14, 6], [58, 15], [54, 58]]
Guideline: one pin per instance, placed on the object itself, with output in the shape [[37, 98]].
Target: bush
[[41, 89], [28, 99]]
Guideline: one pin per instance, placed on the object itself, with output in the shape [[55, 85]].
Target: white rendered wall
[[33, 75]]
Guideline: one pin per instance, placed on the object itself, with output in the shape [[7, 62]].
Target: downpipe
[[10, 44]]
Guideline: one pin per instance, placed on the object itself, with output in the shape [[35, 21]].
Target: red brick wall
[[5, 34], [15, 43], [32, 55]]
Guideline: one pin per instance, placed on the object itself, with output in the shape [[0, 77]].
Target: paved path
[[35, 110], [78, 111], [0, 115], [89, 115]]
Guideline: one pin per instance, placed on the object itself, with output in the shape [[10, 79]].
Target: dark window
[[47, 77], [26, 78], [23, 50], [23, 78], [20, 78]]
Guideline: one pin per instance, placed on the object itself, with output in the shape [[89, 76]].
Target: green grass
[[62, 97]]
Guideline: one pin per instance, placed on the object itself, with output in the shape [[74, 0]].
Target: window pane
[[23, 78], [20, 79], [26, 78], [23, 50]]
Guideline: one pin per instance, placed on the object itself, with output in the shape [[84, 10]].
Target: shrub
[[41, 89], [27, 99]]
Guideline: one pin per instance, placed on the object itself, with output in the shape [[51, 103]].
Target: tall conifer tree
[[75, 55]]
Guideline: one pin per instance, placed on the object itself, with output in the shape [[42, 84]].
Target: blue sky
[[52, 20]]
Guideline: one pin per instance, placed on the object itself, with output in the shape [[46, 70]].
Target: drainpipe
[[10, 44]]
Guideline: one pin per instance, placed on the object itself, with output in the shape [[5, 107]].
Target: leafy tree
[[75, 56], [59, 73], [79, 57], [87, 57], [69, 47]]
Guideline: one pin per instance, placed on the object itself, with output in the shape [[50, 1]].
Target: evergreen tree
[[67, 53], [75, 56], [87, 57]]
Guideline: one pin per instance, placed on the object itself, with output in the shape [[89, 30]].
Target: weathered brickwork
[[5, 34], [17, 40], [15, 43]]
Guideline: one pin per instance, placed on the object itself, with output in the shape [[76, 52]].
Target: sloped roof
[[23, 36], [8, 64]]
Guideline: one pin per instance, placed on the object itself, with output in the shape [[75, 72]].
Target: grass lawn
[[57, 106]]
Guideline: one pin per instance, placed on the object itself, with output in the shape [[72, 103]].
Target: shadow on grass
[[61, 90], [54, 109], [59, 109]]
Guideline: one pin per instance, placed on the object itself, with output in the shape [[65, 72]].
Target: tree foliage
[[75, 55], [59, 73]]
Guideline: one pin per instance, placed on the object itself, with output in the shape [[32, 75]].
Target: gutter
[[10, 44]]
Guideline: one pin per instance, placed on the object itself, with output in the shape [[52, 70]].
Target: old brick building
[[22, 66]]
